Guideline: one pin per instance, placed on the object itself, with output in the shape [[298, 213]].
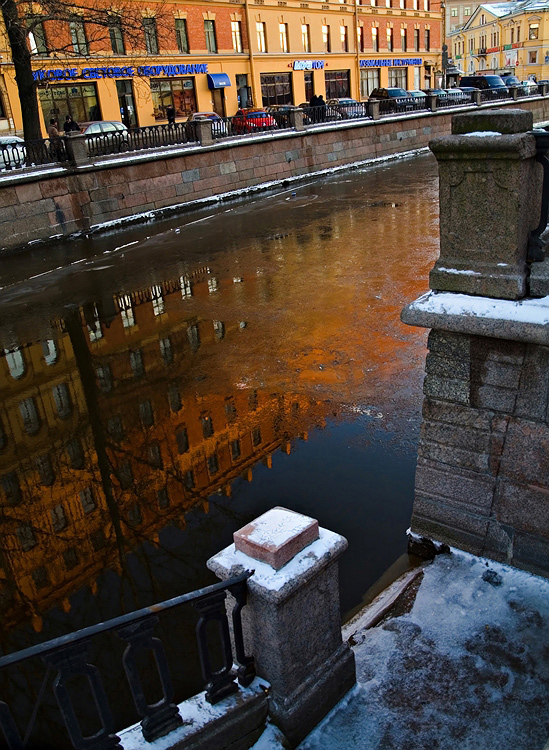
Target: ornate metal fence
[[15, 153], [67, 656]]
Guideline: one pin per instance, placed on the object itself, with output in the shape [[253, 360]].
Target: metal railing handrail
[[103, 627]]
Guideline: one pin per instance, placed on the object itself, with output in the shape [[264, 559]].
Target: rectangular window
[[512, 36], [518, 34], [146, 413], [416, 40], [58, 518], [78, 37], [115, 428], [276, 89], [75, 454], [397, 78], [209, 31], [87, 500], [151, 35], [207, 426], [390, 39], [213, 464], [117, 38], [62, 400], [155, 455], [344, 38], [181, 35], [26, 537], [533, 31], [256, 436], [136, 362], [402, 4], [182, 440], [375, 39], [360, 38], [174, 397], [454, 12], [305, 37], [326, 41], [467, 11], [125, 475], [338, 83], [236, 34], [235, 450], [173, 92], [403, 40], [157, 300], [11, 488], [37, 37], [532, 57], [427, 40], [166, 350], [283, 35], [261, 30], [369, 80]]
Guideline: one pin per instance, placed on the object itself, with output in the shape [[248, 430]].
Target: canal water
[[163, 385]]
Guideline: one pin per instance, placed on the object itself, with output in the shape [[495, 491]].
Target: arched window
[[16, 363]]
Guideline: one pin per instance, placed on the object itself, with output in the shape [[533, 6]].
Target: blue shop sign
[[308, 64], [390, 63], [64, 74]]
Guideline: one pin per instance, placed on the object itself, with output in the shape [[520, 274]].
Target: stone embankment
[[57, 203]]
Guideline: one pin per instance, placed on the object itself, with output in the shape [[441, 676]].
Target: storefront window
[[369, 80], [337, 83], [173, 92], [276, 89], [78, 100], [309, 86], [397, 78]]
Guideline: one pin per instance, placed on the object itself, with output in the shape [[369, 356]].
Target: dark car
[[393, 99], [345, 108], [492, 87], [510, 81], [252, 120]]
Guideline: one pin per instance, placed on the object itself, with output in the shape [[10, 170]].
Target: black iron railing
[[67, 656], [18, 153], [139, 139]]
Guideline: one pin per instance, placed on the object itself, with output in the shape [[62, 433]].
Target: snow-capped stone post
[[490, 193], [292, 620], [483, 466]]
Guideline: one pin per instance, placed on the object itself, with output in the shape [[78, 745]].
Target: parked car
[[492, 87], [107, 136], [419, 97], [392, 99], [281, 113], [219, 126], [457, 96], [12, 152], [346, 107], [530, 87], [252, 120], [511, 81]]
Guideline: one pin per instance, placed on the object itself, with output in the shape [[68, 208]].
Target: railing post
[[373, 109], [163, 716], [513, 90], [292, 621], [76, 148], [296, 119], [431, 102], [476, 97], [204, 132]]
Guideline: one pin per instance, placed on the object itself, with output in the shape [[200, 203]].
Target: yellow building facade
[[226, 55], [501, 39]]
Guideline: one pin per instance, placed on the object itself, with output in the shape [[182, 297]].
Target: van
[[492, 86]]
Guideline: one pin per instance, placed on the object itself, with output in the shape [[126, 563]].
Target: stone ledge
[[232, 724], [523, 320]]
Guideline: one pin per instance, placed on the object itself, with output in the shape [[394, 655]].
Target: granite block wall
[[41, 207], [482, 480]]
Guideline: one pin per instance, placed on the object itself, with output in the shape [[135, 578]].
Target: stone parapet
[[490, 198]]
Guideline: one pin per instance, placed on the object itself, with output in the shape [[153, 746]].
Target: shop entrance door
[[218, 98], [126, 103]]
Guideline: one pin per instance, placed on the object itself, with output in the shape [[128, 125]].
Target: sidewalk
[[466, 668]]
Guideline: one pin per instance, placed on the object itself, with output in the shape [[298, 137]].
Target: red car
[[253, 120]]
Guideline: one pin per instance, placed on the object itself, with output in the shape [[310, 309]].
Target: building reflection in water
[[103, 442]]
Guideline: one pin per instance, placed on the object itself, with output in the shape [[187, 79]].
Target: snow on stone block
[[277, 536]]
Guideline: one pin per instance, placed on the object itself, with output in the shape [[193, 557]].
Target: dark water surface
[[166, 384]]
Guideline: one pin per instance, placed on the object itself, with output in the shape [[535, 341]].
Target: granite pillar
[[292, 620]]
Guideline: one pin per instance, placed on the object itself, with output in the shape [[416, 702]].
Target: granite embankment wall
[[44, 206]]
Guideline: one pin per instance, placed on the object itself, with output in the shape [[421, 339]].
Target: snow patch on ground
[[466, 668]]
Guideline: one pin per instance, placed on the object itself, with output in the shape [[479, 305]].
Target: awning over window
[[218, 80]]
